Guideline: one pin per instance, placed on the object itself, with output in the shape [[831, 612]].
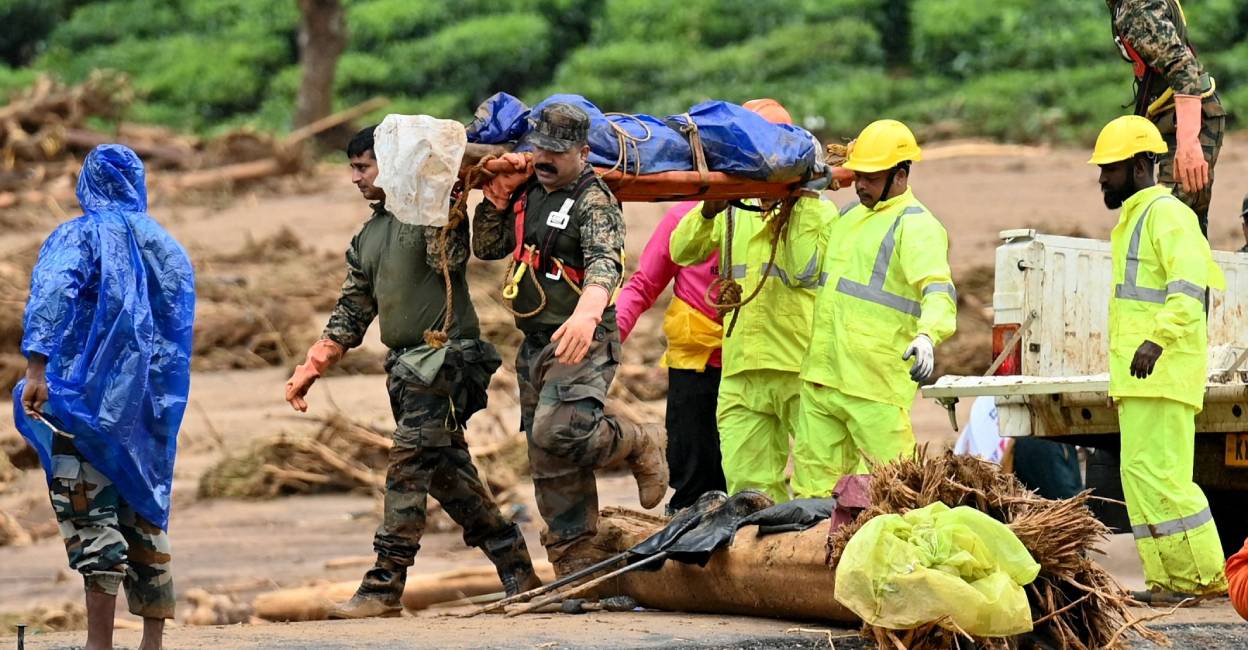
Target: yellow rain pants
[[757, 413], [1174, 530], [838, 432]]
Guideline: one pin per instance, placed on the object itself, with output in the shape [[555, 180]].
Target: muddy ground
[[242, 548]]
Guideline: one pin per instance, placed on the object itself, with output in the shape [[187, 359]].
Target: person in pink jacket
[[694, 332]]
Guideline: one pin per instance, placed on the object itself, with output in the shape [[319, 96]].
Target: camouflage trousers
[[1212, 124], [569, 435], [430, 458], [107, 541]]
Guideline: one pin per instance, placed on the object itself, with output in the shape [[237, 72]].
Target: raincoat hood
[[112, 179]]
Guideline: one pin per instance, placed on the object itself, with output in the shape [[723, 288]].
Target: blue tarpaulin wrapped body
[[651, 143], [112, 301], [736, 140], [740, 142], [499, 119]]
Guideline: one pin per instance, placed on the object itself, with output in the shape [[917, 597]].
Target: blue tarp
[[663, 149], [112, 300], [736, 141], [501, 118]]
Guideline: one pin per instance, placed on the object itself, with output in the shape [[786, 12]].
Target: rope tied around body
[[624, 140], [457, 215]]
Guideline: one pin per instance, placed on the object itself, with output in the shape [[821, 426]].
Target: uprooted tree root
[[1076, 604]]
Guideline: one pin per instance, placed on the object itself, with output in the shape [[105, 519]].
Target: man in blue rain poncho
[[107, 337]]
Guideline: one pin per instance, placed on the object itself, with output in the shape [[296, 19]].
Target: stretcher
[[682, 185]]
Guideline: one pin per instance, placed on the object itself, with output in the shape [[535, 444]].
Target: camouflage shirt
[[394, 270], [1155, 30], [598, 230]]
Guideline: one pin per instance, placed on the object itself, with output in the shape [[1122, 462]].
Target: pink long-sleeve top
[[656, 269]]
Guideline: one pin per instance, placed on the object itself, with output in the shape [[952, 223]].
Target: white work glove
[[924, 354]]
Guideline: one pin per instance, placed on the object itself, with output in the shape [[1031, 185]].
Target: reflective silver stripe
[[941, 287], [775, 271], [807, 278], [1131, 290], [1142, 294], [738, 271], [850, 206], [1173, 527], [1186, 288], [874, 292], [870, 294], [823, 278]]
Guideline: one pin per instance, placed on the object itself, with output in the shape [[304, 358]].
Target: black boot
[[510, 556]]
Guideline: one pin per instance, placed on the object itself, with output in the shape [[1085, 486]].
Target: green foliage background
[[1019, 70]]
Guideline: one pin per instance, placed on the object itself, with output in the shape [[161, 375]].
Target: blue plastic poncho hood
[[112, 300]]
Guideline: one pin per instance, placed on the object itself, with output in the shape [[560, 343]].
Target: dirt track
[[246, 547]]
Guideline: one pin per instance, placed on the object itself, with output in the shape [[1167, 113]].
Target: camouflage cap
[[560, 127]]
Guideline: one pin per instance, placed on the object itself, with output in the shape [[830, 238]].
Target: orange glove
[[519, 167], [1190, 167], [323, 354]]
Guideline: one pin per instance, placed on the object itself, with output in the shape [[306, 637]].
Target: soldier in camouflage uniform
[[1176, 93], [569, 257], [394, 274]]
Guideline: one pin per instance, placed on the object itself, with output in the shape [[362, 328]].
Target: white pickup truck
[[1050, 319]]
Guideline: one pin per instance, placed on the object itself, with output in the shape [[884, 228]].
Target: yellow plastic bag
[[902, 571]]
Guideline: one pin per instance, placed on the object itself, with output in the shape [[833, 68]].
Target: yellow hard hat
[[882, 145], [1124, 137]]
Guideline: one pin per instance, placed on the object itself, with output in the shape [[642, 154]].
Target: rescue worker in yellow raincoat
[[1158, 362], [758, 392], [886, 297]]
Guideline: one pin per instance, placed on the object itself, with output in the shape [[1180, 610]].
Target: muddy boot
[[568, 558], [378, 594], [510, 556], [647, 458]]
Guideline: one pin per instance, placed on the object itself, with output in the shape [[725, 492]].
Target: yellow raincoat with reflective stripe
[[886, 280], [1162, 266], [772, 331]]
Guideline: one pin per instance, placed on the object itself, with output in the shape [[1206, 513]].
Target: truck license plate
[[1237, 450]]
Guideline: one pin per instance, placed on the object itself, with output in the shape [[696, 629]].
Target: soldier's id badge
[[560, 218]]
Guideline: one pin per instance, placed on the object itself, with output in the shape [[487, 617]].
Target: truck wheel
[[1228, 511]]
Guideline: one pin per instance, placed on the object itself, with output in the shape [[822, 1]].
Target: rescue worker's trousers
[[693, 456], [1174, 530], [757, 413], [838, 433], [107, 541], [570, 435], [430, 458]]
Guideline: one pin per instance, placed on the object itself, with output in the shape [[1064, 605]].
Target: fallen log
[[330, 121], [781, 575], [150, 152], [422, 591], [229, 174]]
